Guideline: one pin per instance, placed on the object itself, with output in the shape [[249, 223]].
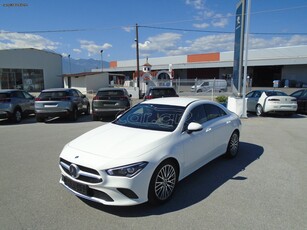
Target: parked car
[[160, 91], [207, 85], [15, 104], [270, 101], [110, 102], [61, 102], [142, 154], [301, 97]]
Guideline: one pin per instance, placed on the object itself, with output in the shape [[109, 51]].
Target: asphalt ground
[[264, 187]]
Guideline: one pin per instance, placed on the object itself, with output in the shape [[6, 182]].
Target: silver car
[[15, 104], [61, 102]]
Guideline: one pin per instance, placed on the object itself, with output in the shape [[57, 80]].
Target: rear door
[[252, 100]]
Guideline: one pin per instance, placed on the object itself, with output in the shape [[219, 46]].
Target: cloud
[[168, 44], [159, 43], [201, 26], [128, 28], [12, 40], [92, 48], [77, 50], [197, 4]]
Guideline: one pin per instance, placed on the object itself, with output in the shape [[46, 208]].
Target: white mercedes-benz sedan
[[141, 155]]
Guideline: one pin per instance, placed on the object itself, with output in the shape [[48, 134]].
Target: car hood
[[115, 141]]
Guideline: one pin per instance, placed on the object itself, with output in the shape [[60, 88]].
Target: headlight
[[127, 170]]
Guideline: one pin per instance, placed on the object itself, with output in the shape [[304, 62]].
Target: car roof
[[173, 101], [110, 89], [56, 89], [161, 87]]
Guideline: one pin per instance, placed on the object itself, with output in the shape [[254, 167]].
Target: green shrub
[[221, 99]]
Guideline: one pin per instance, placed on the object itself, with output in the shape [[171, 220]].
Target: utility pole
[[101, 51], [137, 56]]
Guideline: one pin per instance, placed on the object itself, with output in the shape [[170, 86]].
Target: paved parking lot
[[265, 187]]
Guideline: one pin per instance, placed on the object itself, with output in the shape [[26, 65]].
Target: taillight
[[123, 98], [96, 98], [67, 98], [37, 99], [148, 97]]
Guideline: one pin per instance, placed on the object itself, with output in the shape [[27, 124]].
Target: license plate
[[50, 106], [80, 188]]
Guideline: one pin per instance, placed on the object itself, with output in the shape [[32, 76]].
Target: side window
[[196, 115], [250, 94], [74, 93], [257, 94], [79, 93], [27, 96], [213, 111], [19, 94]]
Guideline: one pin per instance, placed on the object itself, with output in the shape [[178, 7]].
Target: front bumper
[[110, 190]]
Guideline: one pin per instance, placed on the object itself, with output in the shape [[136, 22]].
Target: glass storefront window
[[27, 79]]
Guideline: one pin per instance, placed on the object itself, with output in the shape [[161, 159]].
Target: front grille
[[86, 190], [84, 174]]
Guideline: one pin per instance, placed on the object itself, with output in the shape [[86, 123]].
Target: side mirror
[[194, 127]]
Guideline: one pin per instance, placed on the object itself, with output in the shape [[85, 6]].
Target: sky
[[83, 28]]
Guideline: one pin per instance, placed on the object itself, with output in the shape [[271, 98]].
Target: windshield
[[152, 117]]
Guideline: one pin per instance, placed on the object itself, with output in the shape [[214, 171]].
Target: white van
[[208, 85]]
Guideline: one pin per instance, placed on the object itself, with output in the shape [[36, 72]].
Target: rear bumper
[[281, 109], [58, 113], [107, 112], [4, 114]]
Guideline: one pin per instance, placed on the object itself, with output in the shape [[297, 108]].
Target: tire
[[233, 145], [163, 183], [199, 91], [73, 116], [88, 110], [39, 119], [259, 110], [95, 118], [17, 116]]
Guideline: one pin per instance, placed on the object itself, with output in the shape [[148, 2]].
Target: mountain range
[[81, 65]]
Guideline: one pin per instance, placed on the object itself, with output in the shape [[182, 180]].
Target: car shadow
[[196, 187], [30, 119]]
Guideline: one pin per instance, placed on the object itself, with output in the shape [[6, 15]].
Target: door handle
[[208, 130]]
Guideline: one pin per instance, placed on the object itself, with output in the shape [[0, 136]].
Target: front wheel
[[233, 145], [163, 182]]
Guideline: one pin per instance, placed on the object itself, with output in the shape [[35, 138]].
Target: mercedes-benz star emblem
[[74, 170]]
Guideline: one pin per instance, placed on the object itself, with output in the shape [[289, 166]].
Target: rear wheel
[[95, 118], [73, 115], [39, 119], [259, 110], [233, 145], [17, 116], [163, 183], [88, 109]]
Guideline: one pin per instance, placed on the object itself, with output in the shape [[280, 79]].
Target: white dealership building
[[30, 69]]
